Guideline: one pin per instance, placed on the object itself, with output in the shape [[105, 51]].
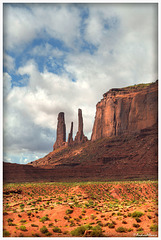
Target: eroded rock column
[[80, 138], [61, 132], [70, 136]]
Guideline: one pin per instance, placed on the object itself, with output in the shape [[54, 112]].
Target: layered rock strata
[[126, 110], [61, 132], [80, 137]]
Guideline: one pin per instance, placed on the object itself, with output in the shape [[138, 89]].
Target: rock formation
[[61, 132], [129, 115], [70, 136], [126, 110], [80, 137]]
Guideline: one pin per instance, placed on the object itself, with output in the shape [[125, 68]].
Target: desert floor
[[89, 209]]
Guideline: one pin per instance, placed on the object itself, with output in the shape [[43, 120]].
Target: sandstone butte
[[126, 110], [123, 145], [121, 111]]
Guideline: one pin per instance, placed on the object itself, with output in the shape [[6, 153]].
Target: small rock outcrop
[[80, 137], [70, 136], [126, 110], [61, 132]]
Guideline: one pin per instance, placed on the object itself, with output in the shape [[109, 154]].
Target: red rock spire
[[80, 138], [61, 132]]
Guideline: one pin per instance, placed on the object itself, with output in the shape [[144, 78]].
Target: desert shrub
[[34, 225], [121, 229], [110, 225], [129, 214], [19, 215], [44, 229], [130, 230], [48, 234], [60, 198], [11, 224], [35, 235], [136, 225], [92, 216], [22, 220], [94, 231], [57, 229], [6, 233], [140, 229], [124, 222], [138, 219], [43, 219], [72, 224], [23, 228], [9, 220], [100, 223], [50, 225], [119, 214], [66, 218], [154, 228], [114, 222], [29, 213], [22, 205], [69, 211], [79, 231], [77, 219], [5, 213], [137, 214], [149, 216]]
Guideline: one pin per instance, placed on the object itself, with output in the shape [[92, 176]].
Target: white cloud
[[8, 62], [26, 22], [46, 50], [17, 27], [126, 52], [6, 84]]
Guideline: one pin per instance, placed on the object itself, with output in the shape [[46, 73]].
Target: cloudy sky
[[61, 57]]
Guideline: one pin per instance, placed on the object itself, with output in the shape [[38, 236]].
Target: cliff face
[[126, 110]]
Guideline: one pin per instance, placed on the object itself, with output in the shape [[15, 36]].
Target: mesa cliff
[[126, 110]]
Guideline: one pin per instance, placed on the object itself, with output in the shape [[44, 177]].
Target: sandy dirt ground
[[118, 209]]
